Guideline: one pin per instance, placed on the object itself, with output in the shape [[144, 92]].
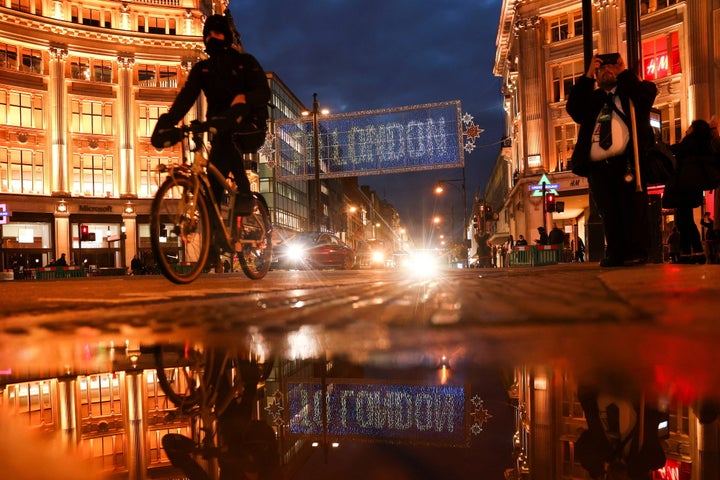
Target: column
[[62, 233], [135, 430], [67, 410], [701, 63], [608, 25], [125, 121], [531, 85], [130, 242], [57, 127]]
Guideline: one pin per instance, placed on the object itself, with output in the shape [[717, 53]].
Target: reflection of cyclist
[[237, 95], [247, 448]]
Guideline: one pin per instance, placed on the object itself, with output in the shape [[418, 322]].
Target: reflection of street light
[[316, 150]]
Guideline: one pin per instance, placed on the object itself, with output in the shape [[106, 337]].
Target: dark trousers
[[624, 211], [689, 234], [226, 157], [179, 449]]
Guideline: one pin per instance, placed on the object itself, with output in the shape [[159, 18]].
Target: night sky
[[371, 54]]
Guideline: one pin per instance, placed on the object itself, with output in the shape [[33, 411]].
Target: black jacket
[[221, 77], [584, 105]]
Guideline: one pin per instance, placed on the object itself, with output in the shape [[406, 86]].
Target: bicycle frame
[[199, 171]]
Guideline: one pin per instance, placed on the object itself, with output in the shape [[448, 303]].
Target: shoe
[[635, 262], [244, 204], [611, 262]]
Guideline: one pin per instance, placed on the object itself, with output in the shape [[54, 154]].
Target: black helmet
[[218, 23]]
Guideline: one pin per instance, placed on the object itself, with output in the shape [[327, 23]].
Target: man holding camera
[[604, 152]]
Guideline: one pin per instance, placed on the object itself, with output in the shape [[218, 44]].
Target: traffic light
[[475, 222], [550, 202], [85, 235]]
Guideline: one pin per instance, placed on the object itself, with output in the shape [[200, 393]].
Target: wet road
[[576, 314]]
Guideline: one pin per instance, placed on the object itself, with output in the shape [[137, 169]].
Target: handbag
[[658, 164], [699, 172]]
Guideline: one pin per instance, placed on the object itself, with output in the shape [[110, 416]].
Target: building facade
[[539, 56]]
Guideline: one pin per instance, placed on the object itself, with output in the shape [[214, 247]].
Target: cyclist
[[237, 94]]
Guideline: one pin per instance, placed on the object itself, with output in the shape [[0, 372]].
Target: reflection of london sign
[[405, 413], [420, 137]]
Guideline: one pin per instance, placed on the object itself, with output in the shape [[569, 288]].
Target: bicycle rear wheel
[[180, 230], [254, 245]]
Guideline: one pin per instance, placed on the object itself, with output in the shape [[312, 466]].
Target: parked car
[[313, 250]]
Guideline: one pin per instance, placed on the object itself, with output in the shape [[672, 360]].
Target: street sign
[[548, 187]]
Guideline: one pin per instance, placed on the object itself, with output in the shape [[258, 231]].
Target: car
[[313, 250], [374, 254]]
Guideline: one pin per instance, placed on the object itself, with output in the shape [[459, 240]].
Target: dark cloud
[[370, 54]]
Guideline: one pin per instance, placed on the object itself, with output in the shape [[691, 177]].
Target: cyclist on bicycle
[[237, 94]]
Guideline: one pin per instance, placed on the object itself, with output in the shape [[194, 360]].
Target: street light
[[316, 150], [439, 190]]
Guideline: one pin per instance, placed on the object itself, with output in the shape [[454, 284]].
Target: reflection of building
[[549, 420], [540, 55]]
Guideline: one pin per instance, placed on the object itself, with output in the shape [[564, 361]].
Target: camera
[[609, 58]]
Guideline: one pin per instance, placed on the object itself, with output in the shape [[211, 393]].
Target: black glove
[[165, 133], [229, 120]]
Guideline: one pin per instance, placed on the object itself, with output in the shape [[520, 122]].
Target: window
[[565, 136], [149, 115], [92, 175], [91, 17], [102, 71], [32, 61], [564, 77], [567, 25], [21, 171], [80, 68], [91, 117], [671, 122], [650, 6], [95, 70], [8, 56], [156, 25], [661, 56], [150, 179], [163, 76], [21, 5], [99, 395], [33, 400], [21, 109]]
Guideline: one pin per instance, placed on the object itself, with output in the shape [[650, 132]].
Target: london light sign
[[413, 138], [367, 411]]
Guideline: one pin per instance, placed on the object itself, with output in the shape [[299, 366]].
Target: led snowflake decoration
[[479, 415], [267, 148], [276, 408], [470, 131]]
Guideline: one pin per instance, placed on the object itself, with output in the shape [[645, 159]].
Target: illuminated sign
[[4, 213], [537, 189], [414, 138], [401, 413]]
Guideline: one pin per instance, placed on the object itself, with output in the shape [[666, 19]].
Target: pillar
[[135, 429], [607, 21], [67, 410], [125, 122], [57, 126]]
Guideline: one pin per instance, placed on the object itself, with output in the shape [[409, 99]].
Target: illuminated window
[[149, 115], [567, 25], [661, 56], [168, 76], [147, 75], [92, 175], [91, 17], [21, 171], [91, 117], [564, 77], [33, 401], [21, 5], [106, 452], [21, 109], [156, 25], [150, 179], [99, 395], [162, 76], [80, 68], [102, 71]]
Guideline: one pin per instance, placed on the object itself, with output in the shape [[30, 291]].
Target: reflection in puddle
[[155, 410]]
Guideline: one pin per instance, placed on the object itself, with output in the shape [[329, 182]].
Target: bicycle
[[186, 218], [215, 388]]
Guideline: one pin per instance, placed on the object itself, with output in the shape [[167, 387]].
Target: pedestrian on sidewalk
[[608, 162], [710, 236], [673, 241]]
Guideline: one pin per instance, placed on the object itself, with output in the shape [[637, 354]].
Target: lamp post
[[316, 151], [439, 189]]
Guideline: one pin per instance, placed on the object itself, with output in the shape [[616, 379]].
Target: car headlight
[[296, 252], [378, 257]]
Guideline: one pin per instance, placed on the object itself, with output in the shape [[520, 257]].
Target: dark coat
[[584, 105]]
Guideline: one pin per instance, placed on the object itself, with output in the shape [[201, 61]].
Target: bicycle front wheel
[[180, 230], [254, 245]]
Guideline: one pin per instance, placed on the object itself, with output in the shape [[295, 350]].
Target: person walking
[[697, 142], [580, 252], [673, 242], [710, 237], [604, 153]]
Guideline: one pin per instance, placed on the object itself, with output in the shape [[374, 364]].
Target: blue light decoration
[[418, 414], [373, 142]]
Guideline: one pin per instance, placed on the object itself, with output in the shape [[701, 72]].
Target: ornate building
[[540, 55]]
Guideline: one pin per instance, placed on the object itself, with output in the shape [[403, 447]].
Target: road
[[577, 313]]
